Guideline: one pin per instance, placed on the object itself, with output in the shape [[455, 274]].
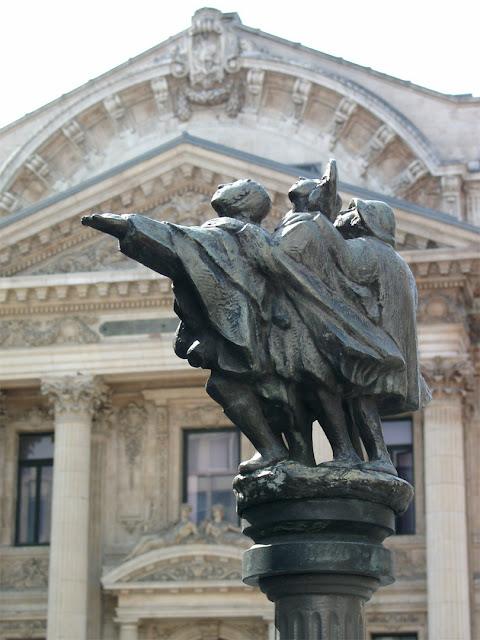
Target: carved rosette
[[75, 394]]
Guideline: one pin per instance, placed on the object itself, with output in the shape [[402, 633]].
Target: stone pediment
[[181, 564], [176, 184]]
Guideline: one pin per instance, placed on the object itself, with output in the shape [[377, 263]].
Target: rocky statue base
[[317, 549]]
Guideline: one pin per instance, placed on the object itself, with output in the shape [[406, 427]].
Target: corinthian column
[[73, 398], [446, 521]]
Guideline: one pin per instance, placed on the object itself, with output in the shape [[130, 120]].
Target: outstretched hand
[[110, 223]]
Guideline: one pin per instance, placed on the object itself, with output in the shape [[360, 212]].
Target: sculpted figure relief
[[315, 321]]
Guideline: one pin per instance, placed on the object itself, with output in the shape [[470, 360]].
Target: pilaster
[[446, 516], [74, 399]]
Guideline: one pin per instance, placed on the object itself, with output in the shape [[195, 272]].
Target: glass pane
[[36, 447], [397, 432], [394, 636], [212, 460], [26, 505], [45, 507]]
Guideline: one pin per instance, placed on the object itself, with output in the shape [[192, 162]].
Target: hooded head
[[243, 199], [300, 191], [376, 217]]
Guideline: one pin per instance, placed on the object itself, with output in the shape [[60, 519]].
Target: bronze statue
[[313, 321]]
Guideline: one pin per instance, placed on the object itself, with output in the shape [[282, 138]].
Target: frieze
[[99, 256], [31, 573], [198, 568], [23, 628], [34, 417], [436, 308], [394, 621], [204, 415], [35, 333]]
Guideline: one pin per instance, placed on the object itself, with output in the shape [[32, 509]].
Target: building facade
[[105, 434]]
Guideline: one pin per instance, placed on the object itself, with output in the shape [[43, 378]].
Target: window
[[211, 461], [35, 477], [394, 636], [399, 440]]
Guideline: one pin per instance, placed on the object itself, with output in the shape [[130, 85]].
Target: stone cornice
[[84, 292], [141, 288]]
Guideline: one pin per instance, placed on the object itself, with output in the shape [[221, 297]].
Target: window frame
[[38, 464], [196, 430]]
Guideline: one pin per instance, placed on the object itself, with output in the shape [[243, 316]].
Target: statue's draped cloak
[[296, 305]]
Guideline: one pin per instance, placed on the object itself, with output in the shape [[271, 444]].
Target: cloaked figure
[[313, 321]]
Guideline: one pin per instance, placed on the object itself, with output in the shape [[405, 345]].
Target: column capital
[[74, 394], [449, 378]]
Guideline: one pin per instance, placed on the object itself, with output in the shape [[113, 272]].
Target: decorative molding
[[19, 573], [300, 93], [74, 394], [132, 419], [439, 308], [396, 620], [380, 140], [34, 333], [98, 256], [208, 415], [208, 55], [197, 568], [254, 90], [448, 379], [33, 418], [23, 628], [451, 191], [409, 177], [341, 117]]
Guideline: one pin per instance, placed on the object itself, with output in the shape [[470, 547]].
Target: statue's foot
[[111, 223], [258, 461], [342, 462], [384, 466]]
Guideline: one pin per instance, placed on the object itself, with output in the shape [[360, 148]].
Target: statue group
[[313, 321]]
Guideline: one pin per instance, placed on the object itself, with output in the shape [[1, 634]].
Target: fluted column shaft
[[446, 523], [73, 399], [128, 630]]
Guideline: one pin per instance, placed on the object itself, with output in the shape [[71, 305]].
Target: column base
[[319, 555]]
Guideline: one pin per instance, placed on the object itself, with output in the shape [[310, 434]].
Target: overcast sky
[[48, 47]]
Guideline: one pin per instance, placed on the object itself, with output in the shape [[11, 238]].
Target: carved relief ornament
[[74, 394], [447, 379], [206, 59], [30, 573], [33, 333]]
